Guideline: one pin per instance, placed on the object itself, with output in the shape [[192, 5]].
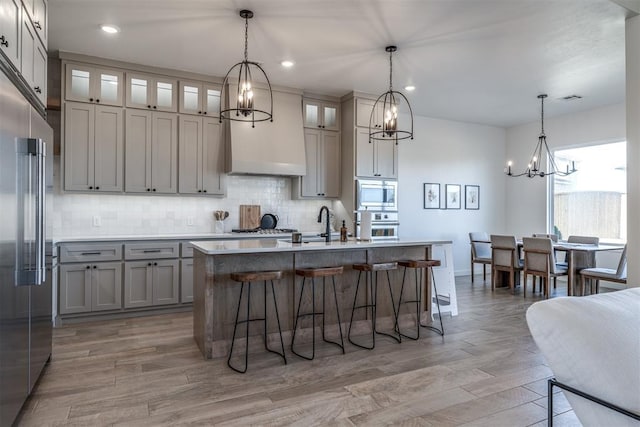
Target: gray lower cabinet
[[90, 287], [186, 280], [153, 282]]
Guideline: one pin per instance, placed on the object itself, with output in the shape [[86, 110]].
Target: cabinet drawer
[[82, 252], [155, 250], [187, 250]]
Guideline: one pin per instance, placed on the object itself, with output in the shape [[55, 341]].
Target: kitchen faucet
[[327, 233]]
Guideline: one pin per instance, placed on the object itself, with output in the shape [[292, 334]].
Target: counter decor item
[[249, 216], [365, 225], [219, 216], [343, 232], [452, 200]]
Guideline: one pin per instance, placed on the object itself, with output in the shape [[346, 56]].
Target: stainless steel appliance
[[377, 195], [26, 152], [384, 225]]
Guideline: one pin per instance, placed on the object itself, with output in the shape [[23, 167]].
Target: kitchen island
[[215, 296]]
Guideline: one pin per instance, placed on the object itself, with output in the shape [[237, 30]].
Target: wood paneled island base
[[215, 295]]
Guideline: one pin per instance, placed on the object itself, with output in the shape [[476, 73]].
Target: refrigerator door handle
[[40, 153]]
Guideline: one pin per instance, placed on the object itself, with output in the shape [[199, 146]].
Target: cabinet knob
[[149, 264], [154, 107], [4, 42], [37, 89], [153, 189], [97, 188], [90, 188], [97, 100], [155, 263], [88, 267], [95, 266], [204, 191], [148, 189], [148, 106], [90, 99], [319, 126], [199, 191], [204, 113], [37, 25], [199, 112]]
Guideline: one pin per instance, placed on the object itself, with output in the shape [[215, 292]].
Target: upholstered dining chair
[[504, 257], [594, 275], [540, 261], [584, 259], [480, 252]]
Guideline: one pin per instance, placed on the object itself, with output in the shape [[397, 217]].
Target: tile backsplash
[[79, 215]]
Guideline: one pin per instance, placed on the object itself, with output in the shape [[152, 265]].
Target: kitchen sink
[[307, 239]]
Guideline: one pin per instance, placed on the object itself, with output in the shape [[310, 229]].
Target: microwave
[[377, 195]]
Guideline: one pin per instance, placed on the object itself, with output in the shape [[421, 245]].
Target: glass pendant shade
[[389, 103], [243, 108], [535, 167]]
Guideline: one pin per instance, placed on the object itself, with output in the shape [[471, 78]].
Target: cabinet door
[[107, 86], [310, 182], [190, 98], [139, 91], [137, 169], [190, 142], [78, 82], [311, 113], [109, 148], [364, 154], [164, 153], [330, 116], [40, 20], [165, 94], [28, 43], [79, 120], [330, 167], [138, 283], [40, 72], [386, 159], [106, 286], [10, 27], [211, 101], [166, 284], [364, 107], [186, 280], [75, 288], [213, 157]]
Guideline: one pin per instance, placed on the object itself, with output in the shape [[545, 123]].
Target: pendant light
[[535, 168], [388, 103], [242, 106]]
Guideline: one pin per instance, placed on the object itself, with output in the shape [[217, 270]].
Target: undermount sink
[[307, 239]]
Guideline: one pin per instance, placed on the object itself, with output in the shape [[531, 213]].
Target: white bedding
[[593, 344]]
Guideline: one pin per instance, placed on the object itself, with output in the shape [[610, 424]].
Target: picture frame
[[452, 199], [431, 195], [472, 197]]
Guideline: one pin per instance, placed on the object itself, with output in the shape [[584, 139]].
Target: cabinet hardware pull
[[88, 267], [199, 112], [37, 89], [97, 100], [90, 253], [153, 189], [149, 264], [148, 189], [97, 188], [149, 251], [4, 42], [204, 191], [90, 188], [199, 191], [37, 25], [205, 112], [148, 106], [154, 107], [90, 99], [155, 263], [95, 266]]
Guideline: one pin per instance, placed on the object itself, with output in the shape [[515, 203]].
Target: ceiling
[[478, 61]]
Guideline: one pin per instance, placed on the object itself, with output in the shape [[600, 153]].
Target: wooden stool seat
[[420, 263], [252, 276], [319, 272], [380, 266]]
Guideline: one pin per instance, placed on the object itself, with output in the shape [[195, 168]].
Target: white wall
[[449, 152], [526, 199]]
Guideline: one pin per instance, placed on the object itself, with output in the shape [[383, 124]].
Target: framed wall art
[[472, 197], [452, 199], [431, 195]]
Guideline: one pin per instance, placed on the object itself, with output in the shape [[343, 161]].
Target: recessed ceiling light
[[409, 88], [287, 64], [110, 29]]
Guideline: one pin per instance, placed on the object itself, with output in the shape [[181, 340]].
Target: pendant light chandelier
[[388, 103], [243, 109], [535, 168]]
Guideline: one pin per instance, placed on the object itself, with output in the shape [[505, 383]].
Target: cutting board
[[249, 216]]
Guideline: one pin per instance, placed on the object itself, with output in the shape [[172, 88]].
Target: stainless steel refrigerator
[[26, 142]]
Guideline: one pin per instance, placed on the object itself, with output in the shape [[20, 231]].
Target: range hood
[[269, 148]]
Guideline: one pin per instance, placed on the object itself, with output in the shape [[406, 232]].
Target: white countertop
[[248, 246], [193, 236]]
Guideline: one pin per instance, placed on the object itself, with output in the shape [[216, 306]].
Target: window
[[592, 201]]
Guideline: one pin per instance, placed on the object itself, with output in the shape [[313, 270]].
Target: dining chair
[[618, 275], [540, 261], [504, 257], [584, 259], [480, 252]]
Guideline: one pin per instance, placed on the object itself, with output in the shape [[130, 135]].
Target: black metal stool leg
[[416, 301], [341, 343], [275, 305], [393, 308], [233, 339], [433, 328], [335, 298], [366, 306], [295, 326]]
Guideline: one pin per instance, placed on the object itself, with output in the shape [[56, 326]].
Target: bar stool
[[369, 270], [312, 273], [247, 278], [419, 265]]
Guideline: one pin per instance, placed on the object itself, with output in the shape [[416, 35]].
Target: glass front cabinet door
[[94, 85], [154, 93], [199, 98]]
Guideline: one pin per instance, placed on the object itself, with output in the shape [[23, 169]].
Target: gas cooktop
[[264, 230]]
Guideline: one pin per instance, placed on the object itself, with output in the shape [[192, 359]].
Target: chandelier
[[388, 103], [535, 168], [244, 108]]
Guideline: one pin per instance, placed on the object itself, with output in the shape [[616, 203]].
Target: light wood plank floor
[[486, 371]]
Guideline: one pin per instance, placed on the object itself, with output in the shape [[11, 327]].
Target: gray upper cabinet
[[155, 93], [10, 27], [364, 107], [202, 156], [323, 164], [321, 114], [93, 148], [151, 152], [33, 59], [37, 11], [98, 85], [375, 159], [199, 98]]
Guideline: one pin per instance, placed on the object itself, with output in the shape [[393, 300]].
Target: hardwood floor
[[486, 371]]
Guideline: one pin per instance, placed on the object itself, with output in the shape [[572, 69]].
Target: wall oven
[[377, 195], [384, 225]]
